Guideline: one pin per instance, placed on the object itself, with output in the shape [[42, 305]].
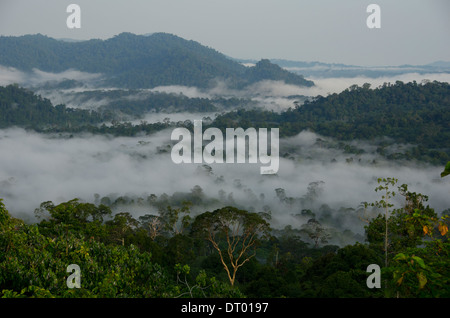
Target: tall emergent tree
[[233, 233], [316, 232], [417, 242], [385, 204]]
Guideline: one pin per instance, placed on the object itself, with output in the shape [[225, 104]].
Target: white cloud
[[37, 168], [10, 75]]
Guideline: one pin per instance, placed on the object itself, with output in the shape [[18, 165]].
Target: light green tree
[[233, 233]]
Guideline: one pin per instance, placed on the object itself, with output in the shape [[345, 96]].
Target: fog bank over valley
[[272, 95], [318, 177], [313, 175], [78, 89]]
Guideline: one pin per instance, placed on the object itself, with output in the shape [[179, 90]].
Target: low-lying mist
[[312, 176], [11, 75], [271, 95], [316, 177]]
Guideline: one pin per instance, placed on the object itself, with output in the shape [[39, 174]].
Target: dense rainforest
[[182, 251], [139, 61], [227, 252], [22, 108], [413, 114], [408, 113]]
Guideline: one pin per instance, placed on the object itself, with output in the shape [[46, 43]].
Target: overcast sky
[[412, 31]]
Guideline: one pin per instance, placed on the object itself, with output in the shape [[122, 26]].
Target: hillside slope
[[137, 61]]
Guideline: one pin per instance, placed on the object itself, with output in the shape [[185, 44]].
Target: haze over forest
[[93, 119], [78, 83]]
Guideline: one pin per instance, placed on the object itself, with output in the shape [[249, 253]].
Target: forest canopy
[[407, 113], [224, 253], [138, 61]]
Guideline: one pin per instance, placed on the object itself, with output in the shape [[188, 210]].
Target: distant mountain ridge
[[320, 69], [139, 61], [316, 69]]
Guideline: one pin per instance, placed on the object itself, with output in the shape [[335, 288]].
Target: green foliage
[[4, 215], [316, 232], [176, 219], [446, 171], [33, 263], [411, 113], [136, 61], [265, 70], [406, 225], [418, 247], [415, 114], [82, 218], [21, 107], [341, 274], [385, 204], [233, 233], [421, 272], [135, 102], [202, 286], [30, 259], [120, 256]]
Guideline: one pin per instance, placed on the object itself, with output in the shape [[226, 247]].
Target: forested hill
[[409, 113], [137, 61], [406, 113], [22, 108]]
